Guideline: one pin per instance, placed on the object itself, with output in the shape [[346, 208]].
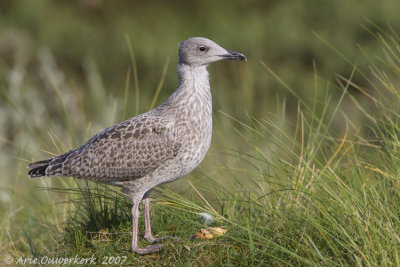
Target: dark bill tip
[[234, 56]]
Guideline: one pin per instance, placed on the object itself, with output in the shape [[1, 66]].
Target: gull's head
[[198, 51]]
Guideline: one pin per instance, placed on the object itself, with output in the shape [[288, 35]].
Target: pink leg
[[148, 235], [146, 210], [135, 221]]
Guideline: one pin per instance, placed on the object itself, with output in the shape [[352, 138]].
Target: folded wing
[[126, 151]]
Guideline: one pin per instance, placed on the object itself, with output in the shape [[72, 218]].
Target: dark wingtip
[[38, 164], [38, 168], [38, 172]]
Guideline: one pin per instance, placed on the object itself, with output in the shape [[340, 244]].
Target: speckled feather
[[125, 151]]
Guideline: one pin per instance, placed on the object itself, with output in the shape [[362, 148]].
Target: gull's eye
[[202, 48]]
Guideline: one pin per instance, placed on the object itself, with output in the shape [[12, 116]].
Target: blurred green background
[[77, 51]]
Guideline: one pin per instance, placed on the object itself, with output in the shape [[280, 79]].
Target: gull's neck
[[193, 87], [193, 78]]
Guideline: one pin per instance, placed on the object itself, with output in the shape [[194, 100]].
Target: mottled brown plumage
[[126, 151], [156, 147]]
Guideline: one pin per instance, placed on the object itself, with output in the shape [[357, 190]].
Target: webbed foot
[[148, 249]]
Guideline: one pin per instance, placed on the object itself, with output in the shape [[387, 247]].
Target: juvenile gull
[[153, 148]]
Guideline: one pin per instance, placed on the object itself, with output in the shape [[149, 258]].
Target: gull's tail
[[38, 168]]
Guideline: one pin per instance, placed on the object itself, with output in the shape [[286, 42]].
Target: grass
[[321, 189]]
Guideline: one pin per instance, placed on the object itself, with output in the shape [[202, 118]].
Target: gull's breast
[[197, 132]]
